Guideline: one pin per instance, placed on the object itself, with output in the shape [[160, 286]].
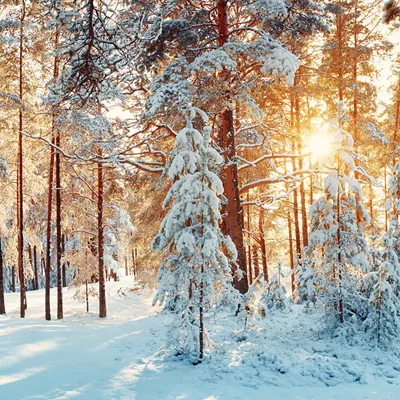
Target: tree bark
[[13, 278], [292, 276], [20, 189], [2, 300], [100, 233], [48, 229], [35, 272], [256, 261], [233, 213], [263, 244], [60, 312]]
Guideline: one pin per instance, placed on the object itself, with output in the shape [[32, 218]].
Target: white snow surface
[[284, 356]]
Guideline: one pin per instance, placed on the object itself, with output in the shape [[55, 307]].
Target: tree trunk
[[48, 229], [20, 189], [263, 244], [386, 195], [87, 296], [292, 276], [35, 268], [60, 312], [2, 301], [100, 232], [126, 266], [13, 278], [256, 261], [296, 216], [233, 214], [201, 319], [64, 265], [250, 265]]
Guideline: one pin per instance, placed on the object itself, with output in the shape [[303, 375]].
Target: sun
[[320, 147]]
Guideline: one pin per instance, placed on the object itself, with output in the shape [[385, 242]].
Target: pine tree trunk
[[35, 268], [20, 189], [256, 261], [87, 296], [250, 265], [233, 213], [386, 196], [292, 275], [2, 300], [60, 312], [64, 266], [13, 278], [339, 244], [201, 318], [48, 229], [100, 232], [263, 244], [134, 264], [296, 216]]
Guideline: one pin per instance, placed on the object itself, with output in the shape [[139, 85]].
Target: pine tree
[[383, 322], [337, 238], [196, 274]]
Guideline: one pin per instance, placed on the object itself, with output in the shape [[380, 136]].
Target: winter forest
[[200, 199]]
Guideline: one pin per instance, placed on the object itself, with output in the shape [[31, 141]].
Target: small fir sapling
[[274, 295]]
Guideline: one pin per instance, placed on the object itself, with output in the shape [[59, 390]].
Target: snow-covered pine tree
[[274, 297], [393, 202], [196, 273], [383, 322], [336, 237]]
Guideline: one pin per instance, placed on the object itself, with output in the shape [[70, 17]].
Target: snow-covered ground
[[121, 357]]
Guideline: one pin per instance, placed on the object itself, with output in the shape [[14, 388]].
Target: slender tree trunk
[[371, 204], [386, 195], [35, 267], [303, 205], [256, 261], [2, 301], [60, 312], [48, 229], [64, 265], [339, 244], [30, 253], [250, 265], [13, 278], [292, 275], [20, 190], [201, 318], [87, 296], [134, 264], [263, 245], [396, 126], [126, 266], [296, 217], [100, 233], [233, 212]]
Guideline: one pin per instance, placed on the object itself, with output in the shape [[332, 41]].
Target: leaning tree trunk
[[233, 212], [20, 190], [2, 301]]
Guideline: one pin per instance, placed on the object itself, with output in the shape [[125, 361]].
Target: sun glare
[[319, 146]]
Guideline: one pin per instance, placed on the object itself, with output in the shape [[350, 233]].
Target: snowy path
[[83, 357]]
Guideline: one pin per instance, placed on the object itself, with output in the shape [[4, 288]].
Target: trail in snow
[[121, 357]]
